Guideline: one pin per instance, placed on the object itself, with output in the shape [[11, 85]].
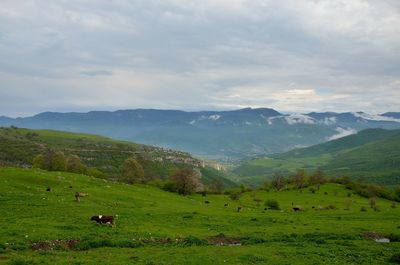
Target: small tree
[[299, 179], [38, 161], [372, 202], [217, 186], [75, 165], [317, 178], [58, 162], [272, 204], [131, 172], [278, 182], [94, 172], [186, 180]]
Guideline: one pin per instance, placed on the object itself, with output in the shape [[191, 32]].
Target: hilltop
[[371, 155], [228, 136], [334, 225], [19, 146]]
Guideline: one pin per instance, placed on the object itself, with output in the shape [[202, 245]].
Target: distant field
[[157, 227]]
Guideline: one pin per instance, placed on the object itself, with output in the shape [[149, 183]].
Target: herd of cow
[[110, 220]]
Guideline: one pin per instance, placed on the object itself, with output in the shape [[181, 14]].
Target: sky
[[290, 55]]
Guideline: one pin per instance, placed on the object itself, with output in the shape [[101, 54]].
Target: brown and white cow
[[103, 219]]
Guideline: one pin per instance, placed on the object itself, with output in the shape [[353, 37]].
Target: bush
[[194, 241], [94, 172], [272, 204], [395, 258], [331, 207], [312, 189]]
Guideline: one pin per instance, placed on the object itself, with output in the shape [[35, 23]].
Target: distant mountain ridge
[[372, 155], [224, 135]]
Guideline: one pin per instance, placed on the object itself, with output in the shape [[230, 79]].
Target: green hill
[[371, 155], [157, 227], [19, 146]]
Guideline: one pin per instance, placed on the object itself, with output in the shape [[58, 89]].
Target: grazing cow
[[226, 205], [48, 189], [79, 195], [206, 202], [103, 219], [296, 209], [70, 187], [239, 208]]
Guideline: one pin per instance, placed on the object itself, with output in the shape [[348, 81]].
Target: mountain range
[[372, 155], [224, 135]]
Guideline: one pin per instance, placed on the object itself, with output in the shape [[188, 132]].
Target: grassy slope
[[372, 155], [19, 146], [28, 214]]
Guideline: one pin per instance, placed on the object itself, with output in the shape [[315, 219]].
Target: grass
[[157, 227]]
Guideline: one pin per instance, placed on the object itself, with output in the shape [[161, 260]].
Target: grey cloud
[[200, 54]]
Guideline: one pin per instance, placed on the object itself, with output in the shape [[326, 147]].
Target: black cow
[[206, 202], [226, 205], [239, 208], [103, 219], [296, 209], [48, 189]]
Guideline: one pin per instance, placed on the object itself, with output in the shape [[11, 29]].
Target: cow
[[207, 202], [226, 205], [48, 189], [296, 209], [103, 219], [79, 195], [239, 208]]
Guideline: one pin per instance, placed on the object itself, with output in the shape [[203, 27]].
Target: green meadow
[[153, 226]]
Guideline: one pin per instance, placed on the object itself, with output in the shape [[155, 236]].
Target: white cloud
[[342, 132]]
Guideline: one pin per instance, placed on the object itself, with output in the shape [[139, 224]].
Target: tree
[[317, 178], [58, 162], [217, 186], [75, 165], [53, 161], [278, 182], [38, 161], [186, 180], [94, 172], [299, 179], [132, 172]]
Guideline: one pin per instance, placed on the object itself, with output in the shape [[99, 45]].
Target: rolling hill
[[371, 155], [19, 147], [224, 135], [158, 227]]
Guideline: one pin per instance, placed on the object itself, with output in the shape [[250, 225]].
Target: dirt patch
[[380, 238], [54, 245], [222, 240]]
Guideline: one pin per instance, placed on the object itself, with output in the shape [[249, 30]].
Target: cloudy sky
[[291, 55]]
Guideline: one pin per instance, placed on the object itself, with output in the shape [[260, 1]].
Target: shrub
[[395, 258], [331, 207], [272, 204], [312, 190], [94, 172], [194, 241]]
